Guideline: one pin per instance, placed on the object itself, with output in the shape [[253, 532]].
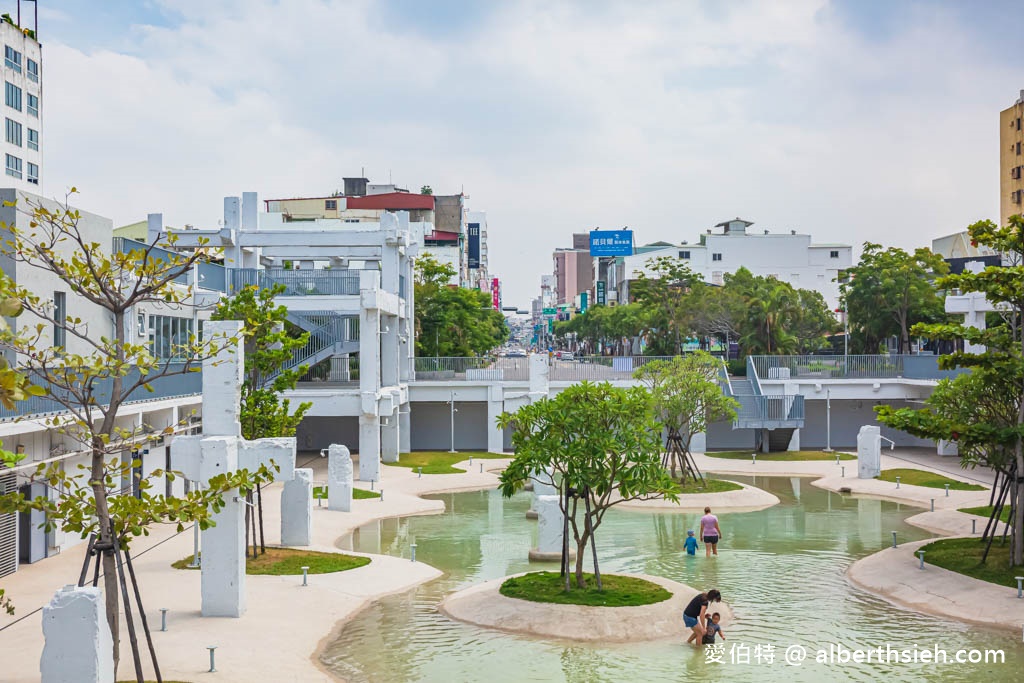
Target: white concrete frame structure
[[381, 256]]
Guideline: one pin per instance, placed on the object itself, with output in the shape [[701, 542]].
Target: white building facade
[[23, 102], [788, 257]]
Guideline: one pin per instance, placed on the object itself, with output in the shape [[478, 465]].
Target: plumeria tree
[[94, 372], [985, 413], [602, 447]]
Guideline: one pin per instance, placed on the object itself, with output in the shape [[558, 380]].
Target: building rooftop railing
[[780, 368], [320, 282]]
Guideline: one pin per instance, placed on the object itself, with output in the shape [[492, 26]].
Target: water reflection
[[783, 570]]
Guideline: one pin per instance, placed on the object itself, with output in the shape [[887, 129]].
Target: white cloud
[[555, 117]]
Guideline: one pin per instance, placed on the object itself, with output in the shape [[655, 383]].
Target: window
[[1018, 147], [33, 106], [12, 94], [684, 254], [33, 139], [716, 257], [330, 205], [32, 70], [12, 59], [14, 132], [1015, 172], [13, 166], [60, 315], [168, 336], [834, 253], [32, 173]]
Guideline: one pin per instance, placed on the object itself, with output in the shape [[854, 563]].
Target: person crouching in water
[[711, 627], [695, 614]]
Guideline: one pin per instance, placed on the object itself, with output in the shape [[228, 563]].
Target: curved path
[[483, 605], [894, 573], [747, 499]]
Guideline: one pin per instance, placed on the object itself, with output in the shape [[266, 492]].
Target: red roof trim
[[391, 200]]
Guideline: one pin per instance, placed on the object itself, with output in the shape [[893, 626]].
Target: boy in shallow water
[[690, 544], [712, 629]]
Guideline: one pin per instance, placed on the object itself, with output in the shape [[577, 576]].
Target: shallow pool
[[782, 569]]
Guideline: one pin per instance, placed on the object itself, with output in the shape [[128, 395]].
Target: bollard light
[[974, 526], [163, 618], [933, 505], [894, 539], [753, 458], [1020, 586], [371, 484], [305, 576], [412, 548], [211, 648], [947, 490], [920, 553], [420, 472], [897, 482], [844, 472], [470, 460], [837, 458], [481, 468], [382, 495]]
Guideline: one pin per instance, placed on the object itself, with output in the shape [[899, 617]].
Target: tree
[[717, 312], [983, 414], [93, 382], [603, 447], [814, 321], [453, 321], [270, 342], [667, 318], [685, 397], [889, 291], [426, 189]]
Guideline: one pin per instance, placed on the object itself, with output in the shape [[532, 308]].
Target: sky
[[850, 120]]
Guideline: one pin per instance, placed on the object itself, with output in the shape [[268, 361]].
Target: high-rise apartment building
[[23, 98], [1011, 160]]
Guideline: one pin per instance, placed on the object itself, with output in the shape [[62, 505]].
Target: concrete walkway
[[286, 625], [894, 573]]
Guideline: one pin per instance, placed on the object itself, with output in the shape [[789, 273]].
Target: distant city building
[[1011, 160], [788, 257], [23, 100], [573, 270]]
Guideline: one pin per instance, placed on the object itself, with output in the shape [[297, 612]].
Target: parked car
[[566, 355]]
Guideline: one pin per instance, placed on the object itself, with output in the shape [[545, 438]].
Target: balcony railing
[[598, 368], [170, 386], [320, 282], [472, 368], [768, 410], [775, 368]]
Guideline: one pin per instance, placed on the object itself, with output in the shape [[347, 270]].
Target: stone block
[[297, 509], [550, 522], [278, 451], [339, 478], [218, 455], [186, 453], [78, 643], [222, 379], [869, 452], [223, 563]]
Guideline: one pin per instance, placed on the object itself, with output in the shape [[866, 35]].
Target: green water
[[781, 569]]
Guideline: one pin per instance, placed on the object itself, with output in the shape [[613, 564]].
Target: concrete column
[[389, 360], [297, 509], [538, 376], [869, 452], [369, 448], [339, 478], [223, 556], [699, 442], [495, 406], [550, 521], [78, 643], [390, 439], [947, 448], [794, 441], [222, 380], [765, 440], [232, 222], [404, 429]]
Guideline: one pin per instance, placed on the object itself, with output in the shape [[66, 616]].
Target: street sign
[[601, 293], [583, 301], [550, 311]]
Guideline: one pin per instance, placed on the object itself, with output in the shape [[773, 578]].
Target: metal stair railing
[[323, 343]]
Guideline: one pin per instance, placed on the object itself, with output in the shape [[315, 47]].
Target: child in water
[[712, 629], [690, 544]]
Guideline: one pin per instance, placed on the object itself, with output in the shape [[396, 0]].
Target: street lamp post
[[453, 411], [828, 420]]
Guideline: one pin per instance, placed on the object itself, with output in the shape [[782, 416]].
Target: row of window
[[12, 96], [14, 169], [12, 60], [169, 336], [685, 255], [14, 135]]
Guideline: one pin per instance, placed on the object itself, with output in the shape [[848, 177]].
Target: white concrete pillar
[[947, 448], [154, 227], [222, 379], [369, 448], [297, 509], [538, 376], [223, 554], [699, 442], [869, 452], [232, 222], [550, 522], [389, 360], [390, 439], [794, 441], [404, 428], [495, 407], [78, 645], [339, 478]]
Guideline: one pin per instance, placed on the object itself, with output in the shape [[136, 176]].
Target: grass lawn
[[619, 591], [986, 511], [709, 486], [357, 494], [440, 462], [929, 479], [289, 561], [781, 456], [963, 555]]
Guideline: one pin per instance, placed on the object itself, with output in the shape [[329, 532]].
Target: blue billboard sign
[[611, 242], [473, 258]]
